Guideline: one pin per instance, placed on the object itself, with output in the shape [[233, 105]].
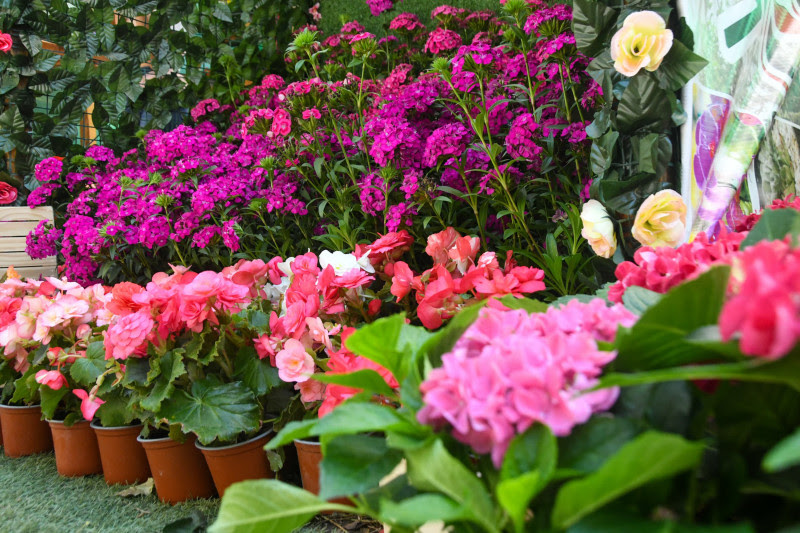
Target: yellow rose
[[661, 220], [642, 42], [598, 229]]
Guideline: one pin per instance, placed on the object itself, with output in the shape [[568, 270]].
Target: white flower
[[285, 267], [598, 229], [342, 263]]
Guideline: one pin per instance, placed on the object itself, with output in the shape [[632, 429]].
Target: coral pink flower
[[89, 404], [401, 281], [464, 251], [203, 287], [310, 390], [390, 247], [52, 378], [127, 334], [122, 302], [294, 363], [439, 245]]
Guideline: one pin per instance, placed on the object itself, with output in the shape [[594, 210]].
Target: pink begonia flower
[[294, 363], [52, 378], [401, 281], [464, 251], [310, 390], [203, 287], [510, 370], [439, 245], [89, 404], [127, 334]]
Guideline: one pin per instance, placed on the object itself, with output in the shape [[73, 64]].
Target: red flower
[[7, 193]]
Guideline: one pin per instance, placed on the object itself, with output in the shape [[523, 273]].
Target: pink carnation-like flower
[[51, 378], [312, 112], [406, 22], [127, 334], [294, 363], [441, 40], [765, 312], [376, 7], [510, 370]]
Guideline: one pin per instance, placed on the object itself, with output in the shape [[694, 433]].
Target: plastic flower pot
[[76, 449], [122, 455], [237, 462], [309, 455], [179, 469], [24, 431]]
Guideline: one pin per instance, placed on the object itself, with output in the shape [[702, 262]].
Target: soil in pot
[[309, 455], [238, 462], [76, 449], [179, 469], [122, 455], [24, 431]]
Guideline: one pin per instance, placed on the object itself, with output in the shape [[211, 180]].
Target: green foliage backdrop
[[135, 75]]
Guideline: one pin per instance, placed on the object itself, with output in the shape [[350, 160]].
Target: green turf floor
[[35, 499]]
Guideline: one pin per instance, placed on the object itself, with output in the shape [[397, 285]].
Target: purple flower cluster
[[43, 240]]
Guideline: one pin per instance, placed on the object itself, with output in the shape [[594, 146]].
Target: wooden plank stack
[[15, 224]]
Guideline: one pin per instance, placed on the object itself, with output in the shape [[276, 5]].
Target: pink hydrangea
[[442, 40], [510, 370], [127, 334], [765, 311]]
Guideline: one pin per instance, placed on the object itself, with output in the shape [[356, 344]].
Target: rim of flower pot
[[264, 432], [79, 422], [305, 441], [7, 406], [96, 425]]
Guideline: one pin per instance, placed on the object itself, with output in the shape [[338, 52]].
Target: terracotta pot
[[76, 449], [237, 462], [309, 455], [24, 431], [179, 470], [123, 457]]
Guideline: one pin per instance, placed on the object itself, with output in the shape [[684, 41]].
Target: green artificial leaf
[[268, 506], [213, 410], [645, 149], [642, 106], [601, 69], [649, 457], [679, 66], [349, 417], [163, 373], [528, 466], [784, 455], [417, 510], [774, 225], [602, 153], [390, 342], [659, 338], [591, 24], [259, 376], [638, 299], [50, 399], [353, 464], [432, 468], [367, 380]]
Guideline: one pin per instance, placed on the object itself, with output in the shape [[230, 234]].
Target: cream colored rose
[[661, 220], [641, 43], [598, 229]]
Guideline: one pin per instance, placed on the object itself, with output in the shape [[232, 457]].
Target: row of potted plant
[[221, 356]]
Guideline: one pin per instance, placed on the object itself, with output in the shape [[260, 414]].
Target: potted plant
[[194, 375]]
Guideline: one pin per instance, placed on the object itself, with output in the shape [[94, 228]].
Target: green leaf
[[417, 510], [679, 66], [115, 412], [213, 410], [349, 417], [529, 305], [785, 454], [774, 225], [367, 380], [638, 299], [432, 468], [353, 464], [163, 371], [50, 399], [389, 342], [601, 156], [642, 105], [259, 376], [620, 521], [528, 466], [659, 338], [650, 457], [86, 370], [591, 22], [267, 506], [591, 444], [223, 12]]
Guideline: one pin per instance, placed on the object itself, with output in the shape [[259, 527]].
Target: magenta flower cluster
[[511, 370]]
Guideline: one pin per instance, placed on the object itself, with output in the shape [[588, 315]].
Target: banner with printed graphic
[[741, 146]]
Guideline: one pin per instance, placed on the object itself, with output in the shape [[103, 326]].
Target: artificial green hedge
[[357, 10]]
